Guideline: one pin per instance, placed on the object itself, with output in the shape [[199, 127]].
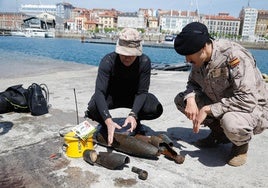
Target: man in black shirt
[[123, 82]]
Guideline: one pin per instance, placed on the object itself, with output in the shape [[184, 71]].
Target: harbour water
[[72, 50]]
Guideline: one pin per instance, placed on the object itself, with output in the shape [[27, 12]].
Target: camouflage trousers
[[238, 127]]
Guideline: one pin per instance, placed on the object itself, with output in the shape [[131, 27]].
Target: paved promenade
[[31, 152]]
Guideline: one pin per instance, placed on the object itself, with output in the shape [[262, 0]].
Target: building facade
[[222, 25], [262, 24], [33, 10], [172, 22], [12, 21], [248, 18], [63, 10], [131, 19], [108, 20]]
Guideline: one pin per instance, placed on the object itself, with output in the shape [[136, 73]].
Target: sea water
[[72, 50]]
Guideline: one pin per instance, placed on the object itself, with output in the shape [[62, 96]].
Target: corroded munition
[[130, 145], [106, 159], [142, 174], [112, 160], [164, 145], [142, 146]]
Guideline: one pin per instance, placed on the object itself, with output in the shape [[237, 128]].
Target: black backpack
[[38, 98]]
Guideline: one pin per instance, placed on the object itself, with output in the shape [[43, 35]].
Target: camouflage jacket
[[230, 79]]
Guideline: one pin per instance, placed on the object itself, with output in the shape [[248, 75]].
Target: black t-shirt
[[123, 83], [126, 85]]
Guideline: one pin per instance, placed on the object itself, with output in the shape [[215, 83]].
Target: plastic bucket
[[74, 146]]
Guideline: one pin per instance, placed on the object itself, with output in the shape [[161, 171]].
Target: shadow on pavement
[[208, 156], [5, 127]]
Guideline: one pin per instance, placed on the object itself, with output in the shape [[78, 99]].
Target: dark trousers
[[151, 109]]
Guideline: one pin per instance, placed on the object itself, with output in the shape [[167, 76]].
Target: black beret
[[191, 39]]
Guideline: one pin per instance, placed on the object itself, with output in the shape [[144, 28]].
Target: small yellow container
[[76, 146]]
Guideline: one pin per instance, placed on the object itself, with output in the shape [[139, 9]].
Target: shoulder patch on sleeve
[[234, 62]]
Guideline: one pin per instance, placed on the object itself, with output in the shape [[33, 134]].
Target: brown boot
[[238, 155]]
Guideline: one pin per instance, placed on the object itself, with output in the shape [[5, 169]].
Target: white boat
[[50, 33], [35, 32], [17, 33]]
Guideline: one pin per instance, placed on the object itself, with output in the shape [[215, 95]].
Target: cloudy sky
[[204, 6]]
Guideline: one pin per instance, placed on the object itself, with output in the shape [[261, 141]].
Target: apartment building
[[222, 25], [262, 23], [152, 22], [64, 10], [12, 21], [248, 18], [172, 22], [108, 20], [131, 19], [148, 12]]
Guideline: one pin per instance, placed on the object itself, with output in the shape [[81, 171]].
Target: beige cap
[[129, 43]]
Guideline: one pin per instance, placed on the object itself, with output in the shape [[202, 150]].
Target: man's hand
[[111, 126], [191, 109], [200, 118], [133, 123]]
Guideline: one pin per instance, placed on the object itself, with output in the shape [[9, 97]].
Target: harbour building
[[34, 10]]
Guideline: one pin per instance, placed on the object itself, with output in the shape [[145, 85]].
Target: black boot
[[215, 138], [208, 142]]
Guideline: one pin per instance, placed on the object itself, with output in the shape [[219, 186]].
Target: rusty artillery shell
[[112, 160], [106, 159], [90, 156], [130, 145]]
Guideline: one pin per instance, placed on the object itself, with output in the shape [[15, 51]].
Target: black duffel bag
[[14, 99], [5, 106]]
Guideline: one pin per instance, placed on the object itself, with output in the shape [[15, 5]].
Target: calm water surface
[[89, 53]]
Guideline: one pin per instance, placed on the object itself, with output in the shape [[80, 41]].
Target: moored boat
[[50, 33], [172, 67], [17, 33], [35, 32]]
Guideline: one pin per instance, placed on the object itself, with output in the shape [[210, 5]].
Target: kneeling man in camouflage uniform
[[225, 91]]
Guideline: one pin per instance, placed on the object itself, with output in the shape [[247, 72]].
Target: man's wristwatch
[[132, 114]]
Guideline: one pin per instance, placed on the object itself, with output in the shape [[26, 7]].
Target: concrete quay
[[31, 153]]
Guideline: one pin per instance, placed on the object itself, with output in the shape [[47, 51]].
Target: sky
[[212, 7]]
